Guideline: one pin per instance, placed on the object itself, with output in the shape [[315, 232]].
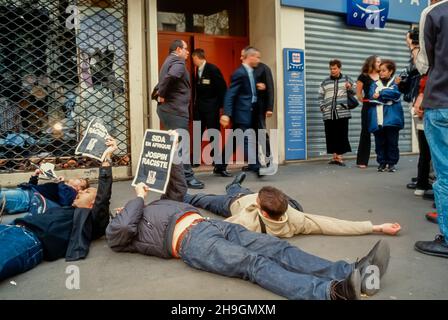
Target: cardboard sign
[[156, 157], [93, 144]]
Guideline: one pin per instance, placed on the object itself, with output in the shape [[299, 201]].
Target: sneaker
[[419, 192], [348, 289], [391, 168], [382, 168]]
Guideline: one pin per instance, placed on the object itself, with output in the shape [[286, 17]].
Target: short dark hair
[[176, 44], [200, 53], [87, 184], [273, 201], [390, 65], [335, 62]]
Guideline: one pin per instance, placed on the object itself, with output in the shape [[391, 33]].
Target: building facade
[[64, 62]]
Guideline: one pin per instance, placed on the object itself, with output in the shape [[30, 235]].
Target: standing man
[[210, 89], [240, 103], [174, 95], [432, 60], [265, 91], [333, 95]]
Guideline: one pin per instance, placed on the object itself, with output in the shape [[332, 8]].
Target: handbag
[[352, 102]]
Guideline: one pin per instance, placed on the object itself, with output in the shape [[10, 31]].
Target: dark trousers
[[253, 148], [387, 151], [210, 120], [261, 125], [217, 204], [365, 143], [424, 162], [172, 122]]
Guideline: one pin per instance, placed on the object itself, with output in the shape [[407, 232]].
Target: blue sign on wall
[[295, 109], [369, 14], [399, 10]]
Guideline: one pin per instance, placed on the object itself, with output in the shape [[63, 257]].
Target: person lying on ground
[[273, 212], [169, 228], [37, 198], [59, 232]]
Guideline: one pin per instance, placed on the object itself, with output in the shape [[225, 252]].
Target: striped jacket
[[333, 98]]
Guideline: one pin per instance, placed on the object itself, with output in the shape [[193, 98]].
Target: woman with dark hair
[[369, 75]]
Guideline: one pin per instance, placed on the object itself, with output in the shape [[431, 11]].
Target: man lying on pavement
[[59, 232], [271, 211], [37, 198], [169, 228]]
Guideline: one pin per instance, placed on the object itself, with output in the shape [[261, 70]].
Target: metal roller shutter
[[328, 37]]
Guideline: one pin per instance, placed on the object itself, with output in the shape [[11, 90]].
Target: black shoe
[[412, 185], [429, 195], [239, 179], [437, 248], [414, 180], [195, 184], [379, 256], [391, 168], [382, 168], [222, 173], [348, 289], [195, 165]]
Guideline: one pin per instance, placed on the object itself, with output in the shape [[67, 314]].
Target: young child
[[386, 118]]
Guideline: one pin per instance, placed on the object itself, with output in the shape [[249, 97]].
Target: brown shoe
[[348, 289]]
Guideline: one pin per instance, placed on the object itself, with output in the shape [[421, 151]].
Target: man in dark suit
[[174, 95], [265, 88], [210, 89], [240, 103]]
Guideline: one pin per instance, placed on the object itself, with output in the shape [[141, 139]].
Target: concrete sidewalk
[[346, 193]]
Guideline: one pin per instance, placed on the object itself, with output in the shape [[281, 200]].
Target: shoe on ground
[[414, 180], [432, 217], [412, 185], [333, 162], [195, 184], [348, 289], [239, 179], [382, 168], [419, 192], [438, 247], [379, 256], [391, 168], [429, 195], [222, 173]]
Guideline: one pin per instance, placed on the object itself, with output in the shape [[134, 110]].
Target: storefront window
[[61, 64], [208, 17]]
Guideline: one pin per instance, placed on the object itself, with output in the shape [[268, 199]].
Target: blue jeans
[[231, 250], [17, 200], [386, 142], [20, 251], [217, 204], [26, 200], [436, 130]]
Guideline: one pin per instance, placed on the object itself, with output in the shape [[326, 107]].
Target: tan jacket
[[245, 212]]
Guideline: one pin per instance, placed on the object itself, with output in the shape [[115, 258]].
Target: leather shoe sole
[[379, 256]]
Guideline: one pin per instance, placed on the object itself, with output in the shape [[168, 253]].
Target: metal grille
[[61, 63], [328, 37]]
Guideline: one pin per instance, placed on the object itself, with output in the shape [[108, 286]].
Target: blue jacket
[[390, 99], [238, 100]]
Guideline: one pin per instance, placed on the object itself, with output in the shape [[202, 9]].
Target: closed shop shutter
[[328, 37]]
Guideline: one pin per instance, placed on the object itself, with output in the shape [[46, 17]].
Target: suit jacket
[[266, 97], [210, 90], [238, 100], [174, 85]]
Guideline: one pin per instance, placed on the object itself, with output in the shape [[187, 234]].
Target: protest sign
[[93, 144], [156, 157]]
